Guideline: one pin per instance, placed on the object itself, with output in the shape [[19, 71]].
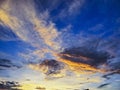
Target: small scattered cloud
[[103, 85], [86, 89], [107, 76], [9, 85], [97, 27], [118, 20], [40, 88], [73, 7], [7, 64]]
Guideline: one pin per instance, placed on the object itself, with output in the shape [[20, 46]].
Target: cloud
[[50, 67], [107, 76], [97, 27], [40, 88], [72, 8], [118, 20], [9, 85], [79, 68], [94, 51], [75, 6], [7, 64], [7, 61], [103, 85], [85, 55], [114, 64], [29, 26]]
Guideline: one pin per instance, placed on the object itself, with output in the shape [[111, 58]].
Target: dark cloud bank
[[9, 85]]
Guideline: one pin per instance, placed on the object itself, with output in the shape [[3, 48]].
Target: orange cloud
[[79, 67]]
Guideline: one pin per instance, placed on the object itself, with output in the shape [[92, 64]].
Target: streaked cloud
[[29, 27], [103, 85], [75, 6], [7, 64], [72, 8], [97, 27]]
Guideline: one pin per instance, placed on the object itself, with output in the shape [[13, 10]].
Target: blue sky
[[71, 43]]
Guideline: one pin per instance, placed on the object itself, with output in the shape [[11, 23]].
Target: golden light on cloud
[[18, 21], [48, 34], [9, 20], [32, 86], [74, 67], [79, 67]]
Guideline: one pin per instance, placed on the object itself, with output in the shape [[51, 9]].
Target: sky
[[59, 45]]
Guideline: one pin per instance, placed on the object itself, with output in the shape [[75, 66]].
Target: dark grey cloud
[[7, 64], [107, 76], [40, 88], [86, 55], [76, 89], [1, 1], [53, 65], [103, 85], [50, 66], [94, 50], [114, 64], [9, 85]]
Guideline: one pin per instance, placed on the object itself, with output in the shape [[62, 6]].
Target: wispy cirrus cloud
[[97, 27], [7, 64], [103, 85], [72, 8], [29, 27], [75, 6]]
